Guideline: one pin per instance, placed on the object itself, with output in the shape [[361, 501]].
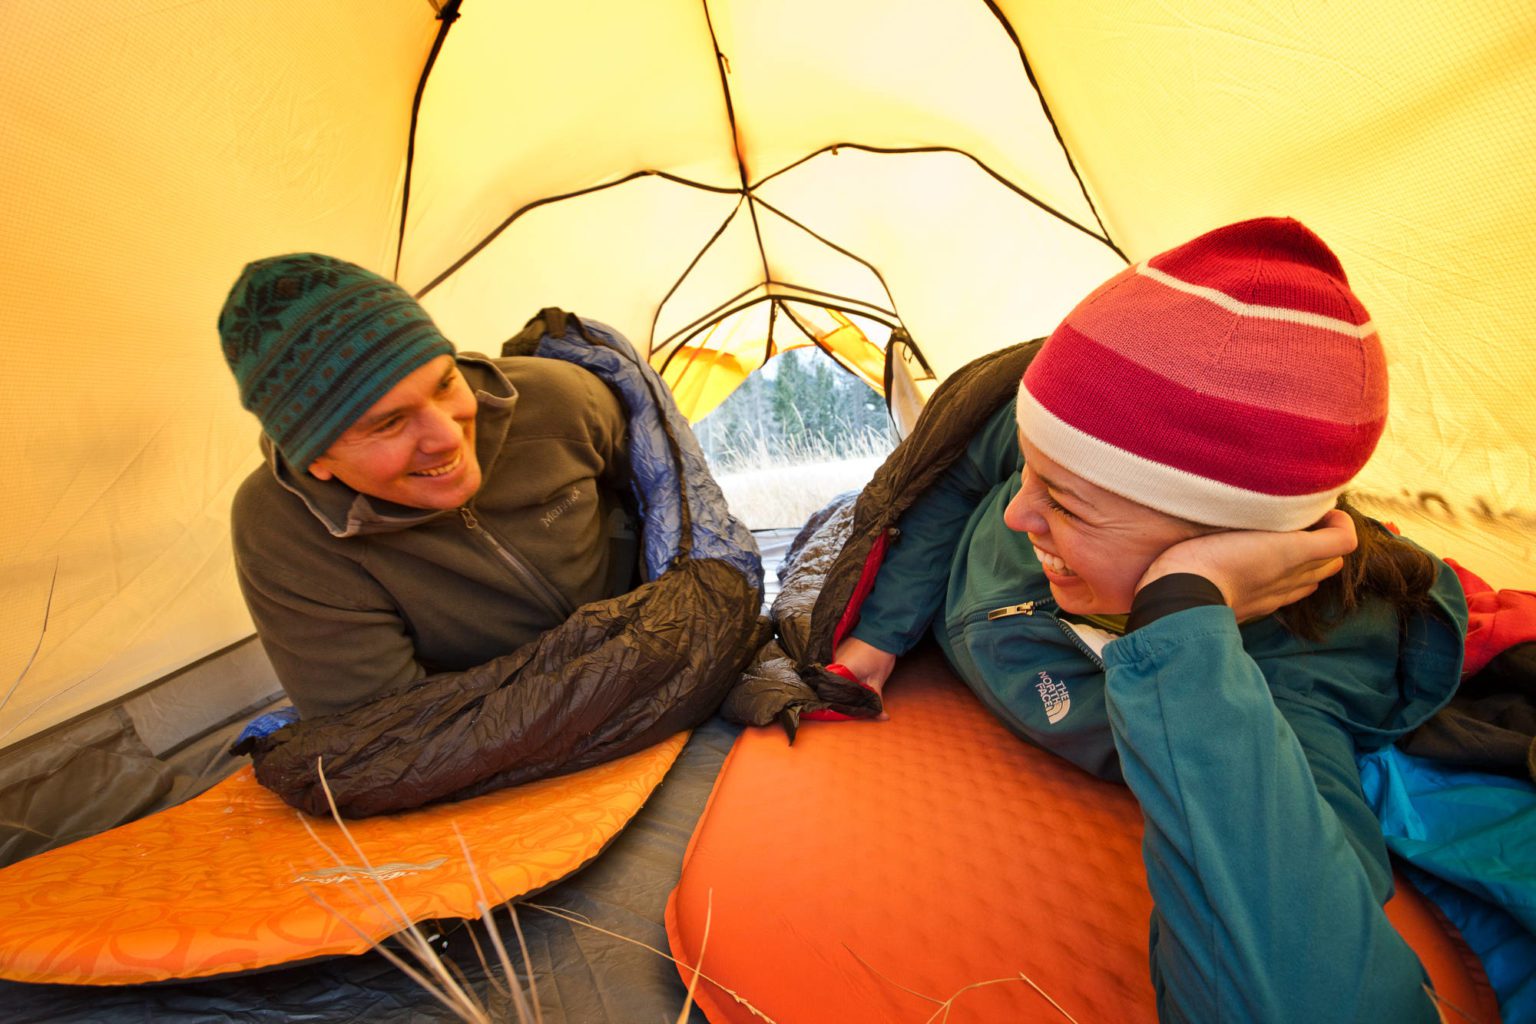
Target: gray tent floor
[[583, 976]]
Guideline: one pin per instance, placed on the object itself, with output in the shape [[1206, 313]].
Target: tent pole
[[447, 14], [1029, 71]]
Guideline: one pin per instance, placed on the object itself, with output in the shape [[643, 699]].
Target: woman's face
[[1093, 544]]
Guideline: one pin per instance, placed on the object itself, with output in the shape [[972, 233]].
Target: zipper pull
[[1027, 608], [469, 517]]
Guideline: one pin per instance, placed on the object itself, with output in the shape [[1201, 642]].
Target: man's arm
[[331, 650]]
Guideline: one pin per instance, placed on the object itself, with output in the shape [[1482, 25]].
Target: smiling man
[[420, 512]]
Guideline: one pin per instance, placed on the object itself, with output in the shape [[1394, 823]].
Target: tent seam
[[1050, 118]]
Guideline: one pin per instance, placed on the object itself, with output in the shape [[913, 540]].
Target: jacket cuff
[[1175, 592]]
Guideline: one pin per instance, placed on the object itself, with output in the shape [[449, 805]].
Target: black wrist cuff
[[1172, 593]]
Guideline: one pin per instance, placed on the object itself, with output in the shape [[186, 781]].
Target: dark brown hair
[[1381, 566]]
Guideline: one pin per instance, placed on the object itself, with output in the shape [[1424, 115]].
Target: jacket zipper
[[1079, 642], [531, 580], [1029, 608]]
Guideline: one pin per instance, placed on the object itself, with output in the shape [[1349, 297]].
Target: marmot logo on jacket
[[565, 505], [1055, 697]]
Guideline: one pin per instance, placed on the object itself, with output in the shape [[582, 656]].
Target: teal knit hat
[[314, 341]]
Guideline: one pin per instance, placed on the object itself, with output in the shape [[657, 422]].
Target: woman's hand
[[869, 664], [1258, 571]]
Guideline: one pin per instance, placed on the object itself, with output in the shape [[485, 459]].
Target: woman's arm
[[1258, 571], [1264, 909], [912, 580]]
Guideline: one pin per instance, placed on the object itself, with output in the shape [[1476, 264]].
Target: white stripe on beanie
[[1172, 491], [1227, 302]]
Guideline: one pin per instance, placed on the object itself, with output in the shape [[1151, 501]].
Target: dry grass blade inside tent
[[577, 919], [441, 979], [519, 1002], [1442, 1004], [435, 976], [693, 983], [945, 1005]]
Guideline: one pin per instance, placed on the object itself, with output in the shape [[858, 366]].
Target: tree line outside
[[798, 408], [797, 432]]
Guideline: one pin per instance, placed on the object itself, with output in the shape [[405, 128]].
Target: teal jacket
[[1266, 866]]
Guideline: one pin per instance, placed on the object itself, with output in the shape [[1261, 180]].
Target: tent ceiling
[[656, 165]]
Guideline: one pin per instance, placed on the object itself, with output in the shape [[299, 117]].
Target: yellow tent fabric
[[962, 170]]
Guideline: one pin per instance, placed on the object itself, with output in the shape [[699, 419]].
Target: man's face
[[415, 446]]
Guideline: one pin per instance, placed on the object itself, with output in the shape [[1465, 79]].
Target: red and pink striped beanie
[[1234, 381]]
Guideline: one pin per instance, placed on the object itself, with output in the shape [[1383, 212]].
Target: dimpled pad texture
[[236, 880], [874, 870]]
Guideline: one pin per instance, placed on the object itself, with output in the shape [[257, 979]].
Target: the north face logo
[[1055, 697]]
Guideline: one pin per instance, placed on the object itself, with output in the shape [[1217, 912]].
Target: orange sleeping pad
[[874, 870], [233, 881]]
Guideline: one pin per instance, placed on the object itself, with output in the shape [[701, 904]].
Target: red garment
[[1497, 619]]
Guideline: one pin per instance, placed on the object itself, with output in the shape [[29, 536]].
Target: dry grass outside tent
[[780, 489], [796, 434]]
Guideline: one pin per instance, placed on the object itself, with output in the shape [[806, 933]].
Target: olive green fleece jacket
[[355, 597]]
